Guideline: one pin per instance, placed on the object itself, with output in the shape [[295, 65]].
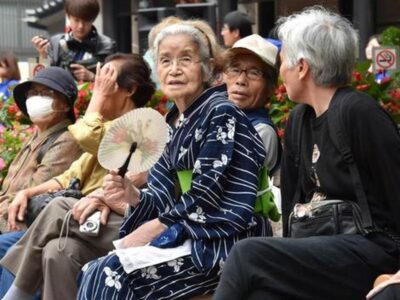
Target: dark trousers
[[327, 267], [391, 292]]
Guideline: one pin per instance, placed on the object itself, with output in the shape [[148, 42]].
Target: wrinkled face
[[290, 78], [179, 68], [246, 84], [80, 28], [59, 104], [229, 36]]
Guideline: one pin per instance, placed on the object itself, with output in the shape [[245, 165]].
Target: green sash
[[265, 204]]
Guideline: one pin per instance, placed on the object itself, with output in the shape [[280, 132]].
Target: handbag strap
[[342, 141], [52, 137]]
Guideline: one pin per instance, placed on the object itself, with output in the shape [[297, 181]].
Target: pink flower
[[2, 164]]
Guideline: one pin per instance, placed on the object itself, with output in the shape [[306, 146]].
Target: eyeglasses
[[251, 73], [44, 93], [182, 62]]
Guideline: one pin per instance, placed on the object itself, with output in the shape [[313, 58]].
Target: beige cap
[[264, 49]]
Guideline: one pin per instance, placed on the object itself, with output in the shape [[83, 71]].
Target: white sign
[[35, 65], [385, 58]]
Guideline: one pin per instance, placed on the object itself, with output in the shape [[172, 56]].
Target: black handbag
[[37, 203], [327, 217], [330, 217]]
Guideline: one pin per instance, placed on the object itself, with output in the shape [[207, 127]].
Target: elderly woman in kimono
[[212, 208]]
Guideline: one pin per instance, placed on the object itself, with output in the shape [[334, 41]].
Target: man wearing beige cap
[[251, 75]]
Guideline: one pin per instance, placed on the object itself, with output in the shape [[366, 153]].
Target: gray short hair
[[197, 36], [327, 41]]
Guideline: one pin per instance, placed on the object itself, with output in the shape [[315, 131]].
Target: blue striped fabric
[[217, 142]]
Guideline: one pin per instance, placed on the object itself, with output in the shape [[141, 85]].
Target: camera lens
[[90, 226]]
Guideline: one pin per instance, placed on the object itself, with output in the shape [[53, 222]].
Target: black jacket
[[375, 145], [63, 48]]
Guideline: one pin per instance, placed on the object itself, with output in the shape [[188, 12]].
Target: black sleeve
[[105, 47], [53, 50], [376, 147], [289, 168]]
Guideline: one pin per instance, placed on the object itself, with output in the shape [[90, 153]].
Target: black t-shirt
[[327, 174], [375, 144]]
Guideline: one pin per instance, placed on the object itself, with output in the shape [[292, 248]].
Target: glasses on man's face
[[182, 62], [44, 93], [251, 73]]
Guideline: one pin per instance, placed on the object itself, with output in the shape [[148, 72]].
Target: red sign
[[385, 58]]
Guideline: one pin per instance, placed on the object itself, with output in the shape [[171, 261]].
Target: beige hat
[[264, 49]]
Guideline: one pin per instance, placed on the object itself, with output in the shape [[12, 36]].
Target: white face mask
[[39, 107]]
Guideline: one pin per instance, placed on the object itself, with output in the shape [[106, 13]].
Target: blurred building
[[368, 16], [15, 34], [129, 21]]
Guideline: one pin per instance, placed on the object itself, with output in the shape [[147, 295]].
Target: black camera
[[68, 54], [89, 63]]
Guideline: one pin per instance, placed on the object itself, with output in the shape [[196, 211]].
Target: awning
[[46, 15]]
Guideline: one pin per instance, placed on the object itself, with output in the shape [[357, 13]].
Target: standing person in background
[[318, 56], [237, 25], [9, 74], [82, 46]]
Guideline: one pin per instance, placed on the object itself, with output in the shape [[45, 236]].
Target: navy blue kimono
[[217, 142]]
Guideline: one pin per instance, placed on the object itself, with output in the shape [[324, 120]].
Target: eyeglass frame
[[228, 71], [180, 63], [48, 93]]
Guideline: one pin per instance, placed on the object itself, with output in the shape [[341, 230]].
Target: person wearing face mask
[[48, 100], [37, 260]]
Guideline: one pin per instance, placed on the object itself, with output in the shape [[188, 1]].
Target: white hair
[[327, 41], [196, 35]]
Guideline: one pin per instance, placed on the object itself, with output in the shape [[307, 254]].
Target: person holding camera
[[332, 134], [41, 258], [82, 46]]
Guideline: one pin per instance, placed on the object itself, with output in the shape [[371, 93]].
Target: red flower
[[164, 99], [357, 76], [282, 89], [281, 132], [362, 87], [82, 94], [13, 109], [76, 113]]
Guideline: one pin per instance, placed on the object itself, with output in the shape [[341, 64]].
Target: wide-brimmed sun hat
[[54, 78]]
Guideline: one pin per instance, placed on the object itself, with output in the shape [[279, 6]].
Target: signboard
[[385, 58], [35, 65]]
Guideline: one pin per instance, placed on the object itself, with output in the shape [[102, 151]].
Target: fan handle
[[124, 168]]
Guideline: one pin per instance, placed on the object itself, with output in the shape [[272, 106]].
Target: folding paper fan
[[134, 141]]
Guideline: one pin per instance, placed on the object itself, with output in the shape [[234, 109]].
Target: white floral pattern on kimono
[[198, 216], [112, 279], [176, 264], [150, 272]]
